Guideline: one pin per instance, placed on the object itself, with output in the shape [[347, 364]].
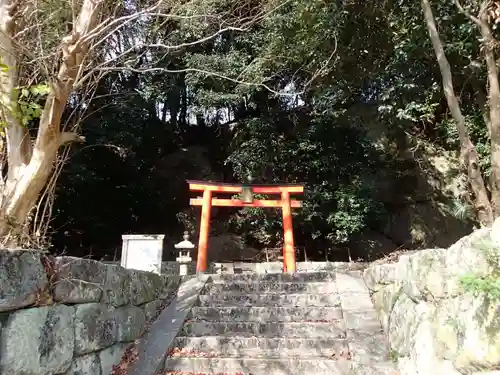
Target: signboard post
[[142, 252]]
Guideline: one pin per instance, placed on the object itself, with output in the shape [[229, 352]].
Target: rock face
[[44, 335], [91, 313], [438, 317], [81, 280], [22, 277]]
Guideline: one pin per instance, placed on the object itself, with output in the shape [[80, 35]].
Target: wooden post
[[201, 262], [288, 248]]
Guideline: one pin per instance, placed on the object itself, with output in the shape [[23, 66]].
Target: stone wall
[[72, 316], [435, 323], [173, 268]]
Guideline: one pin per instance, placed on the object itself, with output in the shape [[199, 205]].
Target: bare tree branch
[[467, 14], [70, 50]]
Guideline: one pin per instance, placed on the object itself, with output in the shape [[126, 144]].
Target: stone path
[[318, 323]]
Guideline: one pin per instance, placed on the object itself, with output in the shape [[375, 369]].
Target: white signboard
[[142, 252]]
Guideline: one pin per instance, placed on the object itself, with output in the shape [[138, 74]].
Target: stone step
[[274, 366], [257, 347], [278, 277], [267, 314], [333, 329], [256, 366], [270, 299], [219, 286]]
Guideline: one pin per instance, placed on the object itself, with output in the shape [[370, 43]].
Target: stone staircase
[[315, 323]]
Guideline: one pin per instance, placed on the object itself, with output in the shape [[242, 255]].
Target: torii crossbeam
[[208, 201]]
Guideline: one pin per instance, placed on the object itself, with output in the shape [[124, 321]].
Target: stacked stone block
[[72, 316]]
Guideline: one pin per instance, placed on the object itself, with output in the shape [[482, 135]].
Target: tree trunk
[[482, 103], [468, 152], [494, 106], [29, 167]]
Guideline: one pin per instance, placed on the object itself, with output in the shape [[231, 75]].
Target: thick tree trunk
[[15, 133], [29, 167], [492, 120], [469, 154]]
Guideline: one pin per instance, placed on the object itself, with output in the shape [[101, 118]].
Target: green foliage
[[28, 102], [258, 225], [460, 209], [485, 285], [25, 103], [488, 285], [394, 356], [328, 156], [348, 71]]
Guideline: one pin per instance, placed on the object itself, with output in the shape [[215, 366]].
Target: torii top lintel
[[221, 187]]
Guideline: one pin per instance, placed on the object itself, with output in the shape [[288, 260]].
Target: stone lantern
[[184, 259]]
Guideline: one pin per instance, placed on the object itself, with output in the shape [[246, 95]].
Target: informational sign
[[142, 252]]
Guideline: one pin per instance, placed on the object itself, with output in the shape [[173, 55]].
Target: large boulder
[[461, 333], [151, 309], [131, 322], [22, 278], [434, 321], [466, 329], [110, 357], [424, 275], [401, 330], [145, 286], [170, 285], [436, 273], [38, 341], [96, 327], [88, 364], [79, 280], [379, 275], [116, 286], [384, 300], [424, 356]]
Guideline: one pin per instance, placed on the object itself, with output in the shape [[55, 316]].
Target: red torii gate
[[206, 203]]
